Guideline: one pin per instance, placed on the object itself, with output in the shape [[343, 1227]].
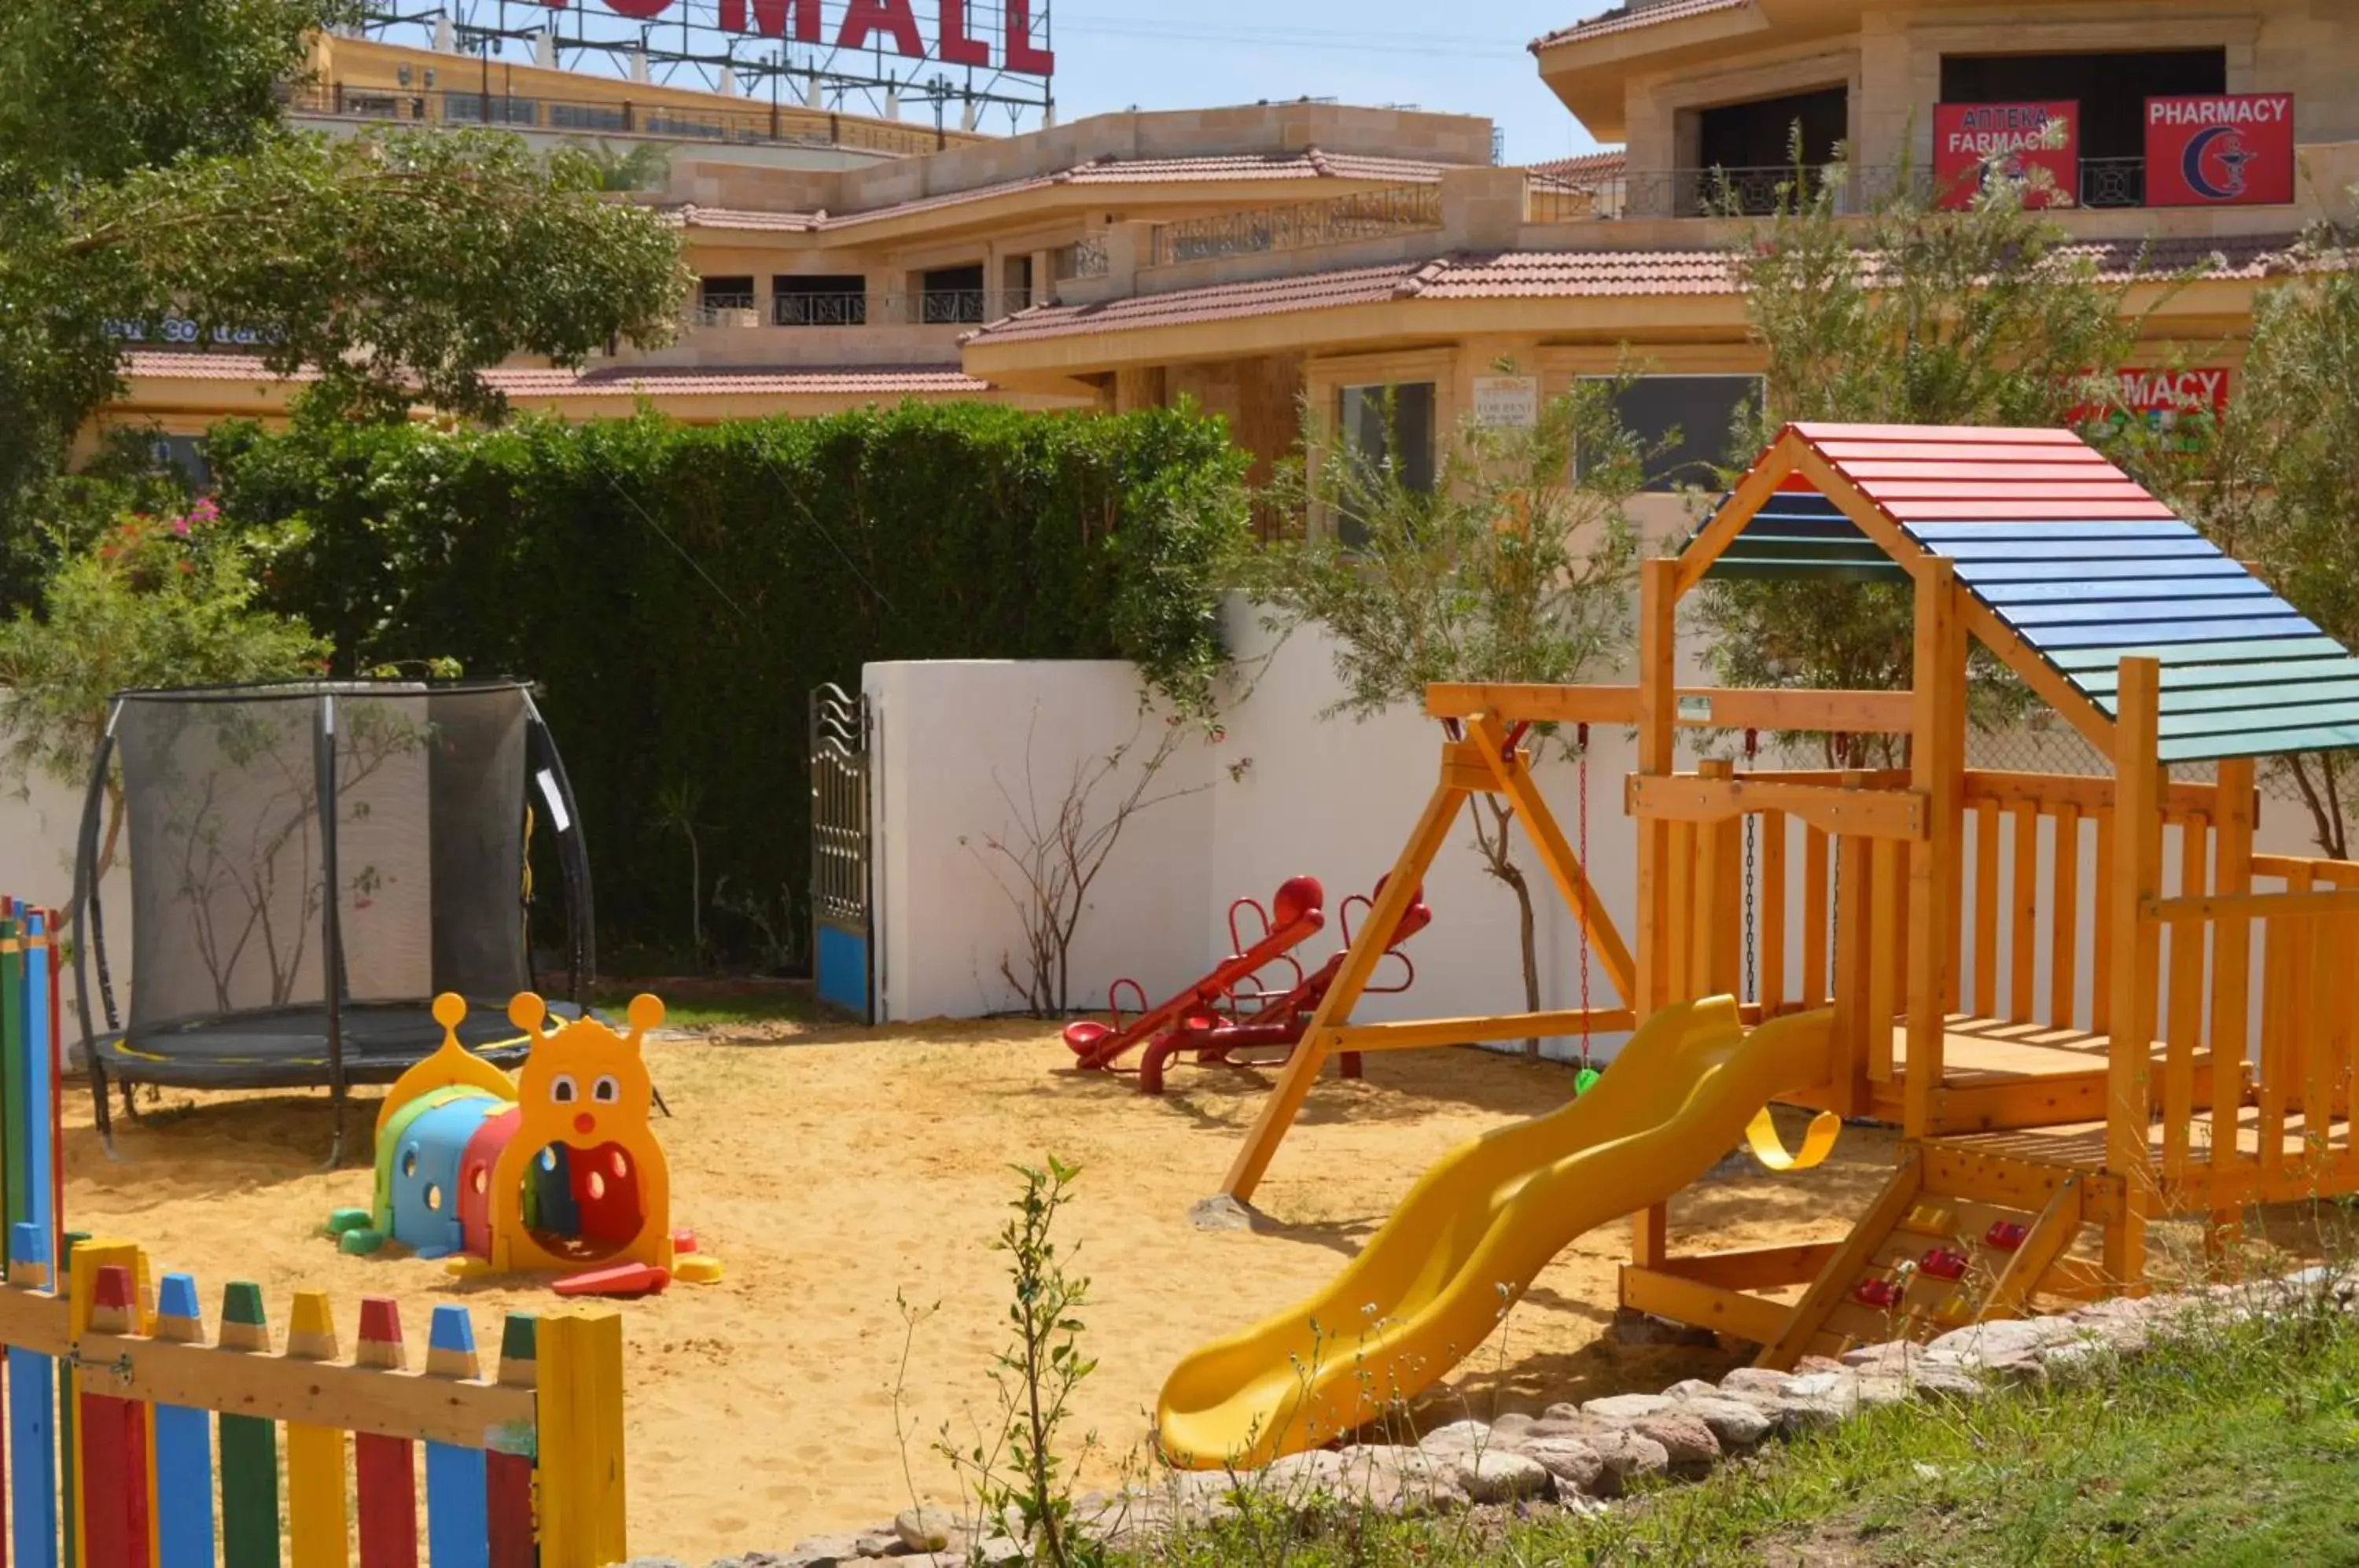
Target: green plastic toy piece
[[345, 1220], [359, 1242]]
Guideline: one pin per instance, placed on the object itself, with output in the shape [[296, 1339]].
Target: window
[[2111, 89], [1388, 426], [185, 454], [951, 294], [586, 117], [1753, 142], [820, 299], [478, 109], [1695, 415], [726, 302]]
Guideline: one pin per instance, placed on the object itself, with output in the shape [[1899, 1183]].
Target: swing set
[[2085, 1000]]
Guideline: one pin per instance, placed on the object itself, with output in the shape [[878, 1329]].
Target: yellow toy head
[[582, 1099]]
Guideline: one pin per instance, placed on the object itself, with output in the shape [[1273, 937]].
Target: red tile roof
[[1627, 18], [1552, 274], [1580, 172], [1310, 164], [692, 381], [618, 380], [196, 364]]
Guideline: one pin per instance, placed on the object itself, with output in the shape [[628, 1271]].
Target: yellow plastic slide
[[1432, 1284]]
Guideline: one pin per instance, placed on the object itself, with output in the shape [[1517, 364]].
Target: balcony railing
[[1368, 214], [1085, 258], [752, 124], [1758, 192], [925, 307]]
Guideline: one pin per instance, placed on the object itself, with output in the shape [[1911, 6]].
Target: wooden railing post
[[1658, 601], [582, 1524], [2136, 875]]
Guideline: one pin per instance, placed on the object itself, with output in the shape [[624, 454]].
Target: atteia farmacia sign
[[1003, 34]]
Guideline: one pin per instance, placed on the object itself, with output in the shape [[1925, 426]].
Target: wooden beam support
[[1420, 1033], [1938, 758], [2050, 1238], [1768, 708], [1860, 813], [1753, 1319], [2036, 674], [1842, 1267], [1511, 776], [2243, 906], [2136, 877], [1752, 492], [2086, 793], [1533, 703], [1293, 1086], [1750, 1266]]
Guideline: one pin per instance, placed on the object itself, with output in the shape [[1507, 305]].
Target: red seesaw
[[1282, 1018], [1295, 915]]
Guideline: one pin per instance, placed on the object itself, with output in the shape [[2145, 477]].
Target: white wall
[[1283, 793], [964, 751]]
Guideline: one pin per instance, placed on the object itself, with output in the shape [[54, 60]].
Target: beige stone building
[[1252, 258]]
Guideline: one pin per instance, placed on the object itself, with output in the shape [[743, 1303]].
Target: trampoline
[[311, 865]]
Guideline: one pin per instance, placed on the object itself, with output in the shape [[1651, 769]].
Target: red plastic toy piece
[[619, 1280], [2006, 1235], [1295, 915], [1942, 1264], [1876, 1294], [1282, 1018]]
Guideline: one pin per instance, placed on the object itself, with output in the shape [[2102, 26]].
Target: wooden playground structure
[[2209, 1062]]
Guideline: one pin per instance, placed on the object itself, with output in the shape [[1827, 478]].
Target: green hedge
[[678, 590]]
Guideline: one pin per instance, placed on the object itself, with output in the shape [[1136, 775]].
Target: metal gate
[[842, 904]]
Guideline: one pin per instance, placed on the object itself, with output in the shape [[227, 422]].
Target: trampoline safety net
[[246, 810]]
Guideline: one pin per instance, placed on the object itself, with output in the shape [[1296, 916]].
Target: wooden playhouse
[[2207, 1066]]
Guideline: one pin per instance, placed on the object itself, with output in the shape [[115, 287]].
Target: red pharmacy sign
[[2234, 150], [2017, 139]]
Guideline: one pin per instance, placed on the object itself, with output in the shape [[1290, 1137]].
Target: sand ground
[[848, 1173]]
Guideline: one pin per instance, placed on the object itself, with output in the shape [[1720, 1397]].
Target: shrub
[[678, 590]]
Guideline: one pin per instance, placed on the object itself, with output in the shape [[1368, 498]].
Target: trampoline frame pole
[[331, 936], [574, 863], [87, 930]]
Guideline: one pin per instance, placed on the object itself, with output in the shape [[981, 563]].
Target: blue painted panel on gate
[[843, 969]]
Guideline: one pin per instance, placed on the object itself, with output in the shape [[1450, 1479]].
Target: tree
[[144, 167], [2278, 482], [157, 601], [1906, 315], [1515, 566]]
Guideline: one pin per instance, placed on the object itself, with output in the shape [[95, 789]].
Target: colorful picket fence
[[136, 1436]]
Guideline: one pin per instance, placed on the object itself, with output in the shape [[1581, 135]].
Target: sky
[[1465, 58]]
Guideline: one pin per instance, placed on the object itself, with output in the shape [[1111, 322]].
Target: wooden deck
[[1997, 1075], [2227, 1163]]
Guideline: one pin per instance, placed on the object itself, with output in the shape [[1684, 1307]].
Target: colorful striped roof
[[2080, 562]]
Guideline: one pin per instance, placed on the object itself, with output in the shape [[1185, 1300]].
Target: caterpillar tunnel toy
[[556, 1170]]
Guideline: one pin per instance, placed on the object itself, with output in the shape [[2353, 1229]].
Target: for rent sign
[[1008, 34], [2234, 150], [2038, 142]]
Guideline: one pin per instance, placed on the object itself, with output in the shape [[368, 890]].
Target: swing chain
[[1752, 987]]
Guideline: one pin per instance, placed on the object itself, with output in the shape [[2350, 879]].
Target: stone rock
[[1807, 1364], [882, 1541], [1691, 1389], [1498, 1476], [1561, 1412], [1633, 1327], [927, 1528], [1621, 1410], [1737, 1425], [1689, 1445], [999, 1552], [1576, 1465], [1942, 1380], [1551, 1427], [655, 1563], [1630, 1457], [1456, 1436], [1512, 1426], [1875, 1390], [1899, 1357], [814, 1551], [1756, 1379], [2080, 1361], [1996, 1345], [1397, 1478], [1316, 1470], [1220, 1213], [1125, 1519]]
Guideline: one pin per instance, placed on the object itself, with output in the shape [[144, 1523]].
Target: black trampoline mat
[[288, 1047]]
